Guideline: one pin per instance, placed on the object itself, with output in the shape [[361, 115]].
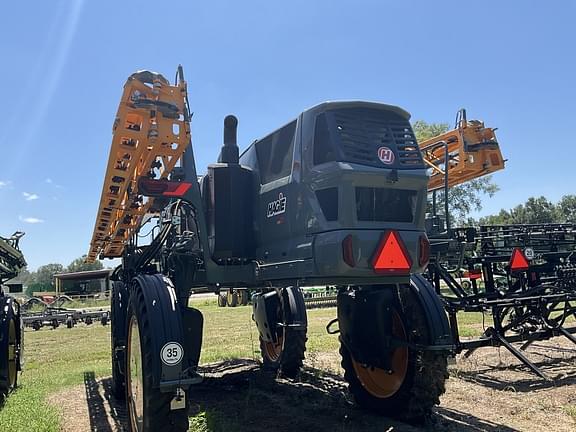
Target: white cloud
[[31, 220], [48, 180], [4, 183], [30, 196]]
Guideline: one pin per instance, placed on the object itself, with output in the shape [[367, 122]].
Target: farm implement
[[54, 315], [528, 287], [11, 325]]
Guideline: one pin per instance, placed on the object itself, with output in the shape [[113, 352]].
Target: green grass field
[[57, 359]]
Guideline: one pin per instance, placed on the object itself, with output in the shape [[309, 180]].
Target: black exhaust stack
[[229, 153]]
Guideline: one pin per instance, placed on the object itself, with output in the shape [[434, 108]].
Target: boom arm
[[472, 150], [150, 133]]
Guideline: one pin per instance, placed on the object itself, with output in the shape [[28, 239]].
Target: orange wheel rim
[[274, 350], [379, 382]]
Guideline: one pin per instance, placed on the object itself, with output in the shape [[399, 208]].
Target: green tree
[[43, 278], [502, 218], [566, 209], [80, 264], [536, 210], [539, 210], [464, 198]]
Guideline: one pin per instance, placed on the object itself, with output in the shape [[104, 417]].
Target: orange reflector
[[518, 261], [391, 256]]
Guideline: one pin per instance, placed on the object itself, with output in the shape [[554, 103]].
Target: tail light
[[348, 251], [474, 274], [151, 187], [423, 251], [391, 257]]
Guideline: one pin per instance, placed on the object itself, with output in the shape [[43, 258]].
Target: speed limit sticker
[[529, 253], [172, 353]]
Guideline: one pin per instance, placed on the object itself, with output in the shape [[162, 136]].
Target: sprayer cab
[[335, 188]]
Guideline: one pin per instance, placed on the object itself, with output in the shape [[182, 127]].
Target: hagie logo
[[277, 207], [386, 155]]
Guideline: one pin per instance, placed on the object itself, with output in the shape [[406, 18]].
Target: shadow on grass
[[239, 396], [106, 413]]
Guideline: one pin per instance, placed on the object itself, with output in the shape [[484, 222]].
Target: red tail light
[[391, 257], [474, 274], [151, 187], [518, 261], [423, 251], [348, 251]]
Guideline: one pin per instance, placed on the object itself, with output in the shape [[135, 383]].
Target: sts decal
[[278, 206]]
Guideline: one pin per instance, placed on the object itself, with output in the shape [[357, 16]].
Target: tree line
[[536, 210]]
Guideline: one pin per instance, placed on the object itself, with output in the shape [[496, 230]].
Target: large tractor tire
[[232, 298], [285, 356], [10, 345], [222, 300], [118, 311], [244, 297], [417, 378], [148, 408]]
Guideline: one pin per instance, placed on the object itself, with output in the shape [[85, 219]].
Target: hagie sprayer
[[11, 325], [335, 197]]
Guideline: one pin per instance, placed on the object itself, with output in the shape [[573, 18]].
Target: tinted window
[[275, 154]]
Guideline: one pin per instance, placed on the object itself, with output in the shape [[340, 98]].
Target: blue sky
[[512, 64]]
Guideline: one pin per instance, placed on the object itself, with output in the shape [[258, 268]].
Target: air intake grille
[[362, 131]]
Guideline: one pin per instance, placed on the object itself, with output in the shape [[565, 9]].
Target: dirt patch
[[492, 385], [487, 391], [90, 407]]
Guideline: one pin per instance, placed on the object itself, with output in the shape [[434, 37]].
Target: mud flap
[[436, 319], [176, 334], [265, 311], [294, 308], [365, 322]]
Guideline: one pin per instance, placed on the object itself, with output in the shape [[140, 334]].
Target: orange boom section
[[467, 152], [150, 133]]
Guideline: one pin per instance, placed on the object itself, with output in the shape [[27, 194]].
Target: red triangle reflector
[[391, 256], [518, 261]]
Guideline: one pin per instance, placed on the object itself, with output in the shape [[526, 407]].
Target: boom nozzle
[[229, 152]]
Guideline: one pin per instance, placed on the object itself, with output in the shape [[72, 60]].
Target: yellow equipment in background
[[150, 133], [468, 151]]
